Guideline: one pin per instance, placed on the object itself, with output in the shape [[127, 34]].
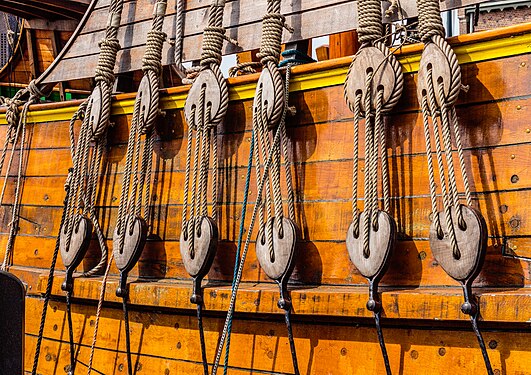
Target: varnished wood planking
[[353, 349], [322, 262]]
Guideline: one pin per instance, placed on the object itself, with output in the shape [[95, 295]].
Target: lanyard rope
[[133, 213], [16, 135], [205, 108], [277, 234], [373, 86], [79, 214], [458, 233], [232, 303]]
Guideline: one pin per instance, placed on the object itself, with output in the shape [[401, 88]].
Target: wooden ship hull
[[425, 330]]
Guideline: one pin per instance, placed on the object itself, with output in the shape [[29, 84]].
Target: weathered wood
[[242, 20], [170, 342]]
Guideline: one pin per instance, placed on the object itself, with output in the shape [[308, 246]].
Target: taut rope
[[205, 108], [458, 238], [80, 213], [277, 236], [373, 86], [16, 135], [133, 211]]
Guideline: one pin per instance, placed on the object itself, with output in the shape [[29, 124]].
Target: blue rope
[[238, 248]]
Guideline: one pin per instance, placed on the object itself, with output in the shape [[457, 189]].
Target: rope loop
[[270, 45], [213, 38], [153, 55], [106, 61], [370, 26], [35, 92]]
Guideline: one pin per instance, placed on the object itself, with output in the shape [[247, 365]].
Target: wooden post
[[343, 44], [56, 48], [32, 54]]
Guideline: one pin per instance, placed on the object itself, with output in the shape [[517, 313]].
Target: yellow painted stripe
[[475, 52]]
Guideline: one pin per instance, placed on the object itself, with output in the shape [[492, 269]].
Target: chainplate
[[434, 58], [381, 243], [471, 242], [79, 242], [370, 59], [127, 255], [283, 247], [207, 81], [269, 97], [205, 243]]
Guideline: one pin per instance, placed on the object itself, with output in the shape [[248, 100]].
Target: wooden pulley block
[[381, 242], [126, 254], [271, 99], [198, 253], [79, 242], [370, 59], [145, 95], [283, 247], [434, 59], [207, 83], [471, 241], [95, 113]]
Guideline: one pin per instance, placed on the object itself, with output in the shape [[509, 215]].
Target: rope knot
[[108, 50], [270, 45], [35, 91], [213, 37], [153, 55]]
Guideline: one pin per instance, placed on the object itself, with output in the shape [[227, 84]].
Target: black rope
[[377, 315], [202, 337], [127, 336], [287, 317], [49, 286], [474, 320], [70, 332]]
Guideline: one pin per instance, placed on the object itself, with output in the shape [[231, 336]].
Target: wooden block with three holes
[[425, 331]]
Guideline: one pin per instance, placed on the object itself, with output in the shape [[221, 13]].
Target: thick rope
[[16, 134], [237, 279]]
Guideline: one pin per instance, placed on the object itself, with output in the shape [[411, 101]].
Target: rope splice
[[373, 86], [458, 233]]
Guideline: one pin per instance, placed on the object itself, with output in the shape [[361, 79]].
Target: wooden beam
[[32, 54], [59, 25], [56, 48]]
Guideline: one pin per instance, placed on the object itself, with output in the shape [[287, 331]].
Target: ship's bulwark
[[425, 331]]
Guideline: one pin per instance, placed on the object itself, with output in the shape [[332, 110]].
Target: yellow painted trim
[[473, 52]]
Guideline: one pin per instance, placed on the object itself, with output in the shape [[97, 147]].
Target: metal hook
[[375, 305], [471, 308]]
